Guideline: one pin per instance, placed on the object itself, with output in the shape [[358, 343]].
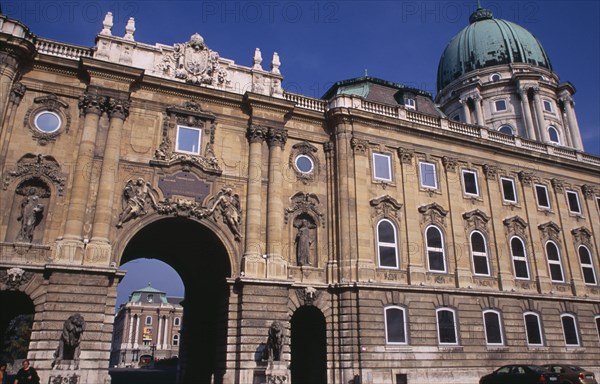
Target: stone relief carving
[[386, 206], [550, 230], [66, 379], [308, 295], [406, 155], [582, 235], [17, 92], [276, 341], [307, 203], [304, 239], [31, 212], [450, 163], [359, 145], [476, 219], [515, 226], [526, 177], [70, 340], [38, 165], [433, 213], [227, 205], [137, 196], [557, 184], [491, 171], [15, 277], [588, 191]]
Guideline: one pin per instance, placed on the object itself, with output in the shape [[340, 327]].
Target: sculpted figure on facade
[[137, 195], [31, 214], [70, 340], [227, 204], [303, 242], [276, 341]]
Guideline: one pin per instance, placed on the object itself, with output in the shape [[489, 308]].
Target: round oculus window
[[47, 121], [304, 164]]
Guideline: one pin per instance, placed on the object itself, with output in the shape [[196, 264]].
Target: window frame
[[311, 161], [496, 105], [49, 112], [389, 166], [597, 321], [589, 265], [575, 329], [421, 172], [177, 322], [500, 327], [179, 150], [523, 258], [512, 130], [148, 320], [557, 141], [432, 249], [539, 325], [479, 254], [576, 194], [537, 200], [387, 327], [546, 102], [495, 77], [514, 188], [455, 325], [554, 262], [175, 340], [410, 103], [475, 177], [387, 245]]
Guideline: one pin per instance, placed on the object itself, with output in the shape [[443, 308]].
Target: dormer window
[[150, 298], [500, 105], [409, 103]]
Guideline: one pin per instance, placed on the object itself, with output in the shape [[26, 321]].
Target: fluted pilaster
[[276, 138]]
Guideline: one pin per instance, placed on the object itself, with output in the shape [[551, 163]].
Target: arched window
[[435, 249], [395, 325], [533, 328], [148, 320], [177, 321], [587, 267], [506, 129], [387, 244], [553, 135], [519, 256], [493, 328], [496, 77], [554, 262], [175, 340], [570, 333], [446, 324], [479, 254]]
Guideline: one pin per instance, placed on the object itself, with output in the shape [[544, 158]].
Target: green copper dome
[[487, 42]]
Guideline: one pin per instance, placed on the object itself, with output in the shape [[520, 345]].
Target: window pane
[[598, 326], [542, 196], [436, 261], [508, 190], [547, 106], [382, 167], [500, 105], [492, 328], [470, 182], [428, 177], [552, 252], [588, 275], [506, 129], [521, 269], [395, 325], [386, 232], [446, 327], [387, 257], [517, 248], [570, 330], [556, 272], [532, 324], [584, 256], [573, 202], [481, 265], [553, 133], [188, 140], [477, 242], [434, 238]]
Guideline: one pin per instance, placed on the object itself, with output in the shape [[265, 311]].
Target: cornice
[[108, 70], [269, 103]]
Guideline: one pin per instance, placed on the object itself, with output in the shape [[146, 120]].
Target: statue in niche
[[275, 341], [303, 241], [70, 340], [228, 205], [136, 196], [31, 214]]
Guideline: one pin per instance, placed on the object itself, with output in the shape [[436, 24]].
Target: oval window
[[47, 121], [304, 164]]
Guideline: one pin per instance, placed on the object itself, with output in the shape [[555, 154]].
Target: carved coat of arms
[[194, 62]]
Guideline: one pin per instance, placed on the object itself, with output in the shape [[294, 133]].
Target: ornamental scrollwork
[[433, 213], [386, 206], [476, 219], [516, 226], [138, 195], [33, 166], [307, 203]]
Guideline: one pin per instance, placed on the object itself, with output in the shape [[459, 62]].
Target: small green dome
[[486, 42]]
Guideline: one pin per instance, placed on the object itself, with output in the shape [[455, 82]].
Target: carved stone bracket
[[557, 184], [491, 171], [406, 155], [17, 92], [588, 191], [526, 177], [450, 163], [308, 295], [386, 206], [476, 219], [307, 203], [433, 213], [515, 226], [33, 166], [359, 145], [13, 278]]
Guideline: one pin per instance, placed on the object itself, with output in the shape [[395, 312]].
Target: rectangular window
[[548, 106], [188, 140], [428, 175], [541, 193], [382, 167], [470, 182], [573, 200], [509, 194], [409, 103], [500, 105]]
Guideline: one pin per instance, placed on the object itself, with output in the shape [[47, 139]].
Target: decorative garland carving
[[433, 213], [33, 166], [13, 278], [307, 203], [386, 206]]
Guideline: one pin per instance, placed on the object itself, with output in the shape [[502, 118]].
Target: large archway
[[202, 262], [308, 346], [16, 319]]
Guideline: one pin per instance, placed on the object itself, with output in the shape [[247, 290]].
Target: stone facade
[[354, 216]]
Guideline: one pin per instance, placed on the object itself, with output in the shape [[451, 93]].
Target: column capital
[[277, 137], [535, 89], [118, 108], [256, 133], [90, 103], [566, 99]]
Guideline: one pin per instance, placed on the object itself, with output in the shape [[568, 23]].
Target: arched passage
[[308, 346], [16, 319], [202, 262]]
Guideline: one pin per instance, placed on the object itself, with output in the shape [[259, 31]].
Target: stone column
[[159, 336], [118, 110], [166, 341], [276, 138], [92, 107], [8, 72], [137, 333], [465, 110], [130, 336], [537, 106], [256, 136], [527, 114], [478, 110], [572, 122]]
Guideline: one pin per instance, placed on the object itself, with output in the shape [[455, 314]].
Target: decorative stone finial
[[275, 63], [480, 14], [107, 24], [129, 29], [257, 59]]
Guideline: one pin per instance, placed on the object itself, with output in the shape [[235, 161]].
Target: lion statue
[[275, 341], [68, 345]]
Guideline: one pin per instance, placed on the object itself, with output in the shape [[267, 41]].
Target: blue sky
[[320, 42]]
